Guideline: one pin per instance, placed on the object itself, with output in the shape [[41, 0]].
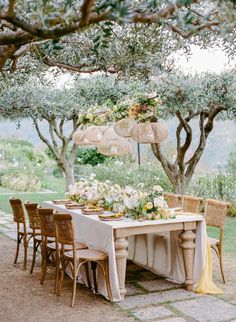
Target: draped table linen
[[159, 252]]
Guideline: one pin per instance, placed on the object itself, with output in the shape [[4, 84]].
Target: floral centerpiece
[[89, 191], [146, 205], [132, 202]]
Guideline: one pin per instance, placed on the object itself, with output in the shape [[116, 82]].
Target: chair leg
[[61, 280], [57, 273], [74, 287], [94, 267], [221, 262], [107, 279], [25, 251], [43, 263], [87, 275], [35, 247], [17, 248]]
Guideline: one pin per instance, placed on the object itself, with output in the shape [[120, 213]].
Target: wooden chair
[[215, 212], [173, 200], [49, 246], [35, 225], [22, 232], [48, 232], [191, 204], [76, 258]]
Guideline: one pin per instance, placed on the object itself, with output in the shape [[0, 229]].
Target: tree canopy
[[116, 27]]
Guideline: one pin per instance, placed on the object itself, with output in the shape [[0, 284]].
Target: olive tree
[[28, 23], [41, 100], [204, 97]]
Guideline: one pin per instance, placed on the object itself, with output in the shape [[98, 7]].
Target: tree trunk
[[69, 175], [181, 185]]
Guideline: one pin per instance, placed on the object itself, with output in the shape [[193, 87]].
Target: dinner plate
[[111, 219], [71, 206], [92, 212], [110, 216], [61, 201]]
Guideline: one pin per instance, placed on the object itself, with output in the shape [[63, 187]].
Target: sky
[[204, 60]]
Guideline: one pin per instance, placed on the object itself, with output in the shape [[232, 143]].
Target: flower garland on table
[[134, 203]]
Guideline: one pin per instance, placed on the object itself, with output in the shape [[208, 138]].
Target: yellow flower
[[145, 208], [90, 117], [149, 205]]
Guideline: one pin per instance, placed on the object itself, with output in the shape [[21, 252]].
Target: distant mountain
[[221, 142]]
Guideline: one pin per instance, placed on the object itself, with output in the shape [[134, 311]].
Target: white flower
[[131, 202], [160, 202], [121, 208], [158, 189], [129, 190]]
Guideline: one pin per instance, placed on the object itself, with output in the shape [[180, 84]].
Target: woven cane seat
[[88, 254]]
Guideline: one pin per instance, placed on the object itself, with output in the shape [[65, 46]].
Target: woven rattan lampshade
[[79, 138], [124, 126], [110, 135], [149, 132], [95, 134], [115, 148]]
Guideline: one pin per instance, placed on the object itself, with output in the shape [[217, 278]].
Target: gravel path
[[23, 299]]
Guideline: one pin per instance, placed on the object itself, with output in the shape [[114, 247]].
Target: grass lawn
[[53, 184], [229, 237]]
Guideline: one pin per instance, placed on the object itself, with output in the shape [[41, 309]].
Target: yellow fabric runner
[[206, 284]]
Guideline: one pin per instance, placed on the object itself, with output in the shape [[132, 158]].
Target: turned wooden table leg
[[121, 248], [188, 246]]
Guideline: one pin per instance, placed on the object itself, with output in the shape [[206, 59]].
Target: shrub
[[23, 166], [232, 210], [90, 156], [21, 179], [217, 186], [127, 173]]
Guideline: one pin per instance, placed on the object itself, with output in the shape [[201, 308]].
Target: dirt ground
[[23, 299]]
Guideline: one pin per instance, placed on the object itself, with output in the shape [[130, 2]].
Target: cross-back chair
[[48, 233], [191, 204], [76, 258], [215, 212], [173, 200], [23, 234], [49, 245], [35, 225]]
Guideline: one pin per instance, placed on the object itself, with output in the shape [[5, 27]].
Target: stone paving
[[152, 298]]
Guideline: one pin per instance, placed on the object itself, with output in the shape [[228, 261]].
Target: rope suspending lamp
[[113, 140]]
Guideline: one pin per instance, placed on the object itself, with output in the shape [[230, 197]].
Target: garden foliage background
[[24, 167]]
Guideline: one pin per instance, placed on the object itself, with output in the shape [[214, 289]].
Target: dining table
[[181, 239]]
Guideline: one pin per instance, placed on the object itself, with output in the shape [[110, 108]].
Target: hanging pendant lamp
[[95, 134], [124, 127], [147, 133]]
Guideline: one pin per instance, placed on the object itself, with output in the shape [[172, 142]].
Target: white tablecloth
[[159, 252]]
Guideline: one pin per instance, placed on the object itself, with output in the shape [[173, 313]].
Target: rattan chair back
[[48, 227], [64, 227], [18, 210], [173, 200], [215, 212], [191, 204], [32, 211]]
